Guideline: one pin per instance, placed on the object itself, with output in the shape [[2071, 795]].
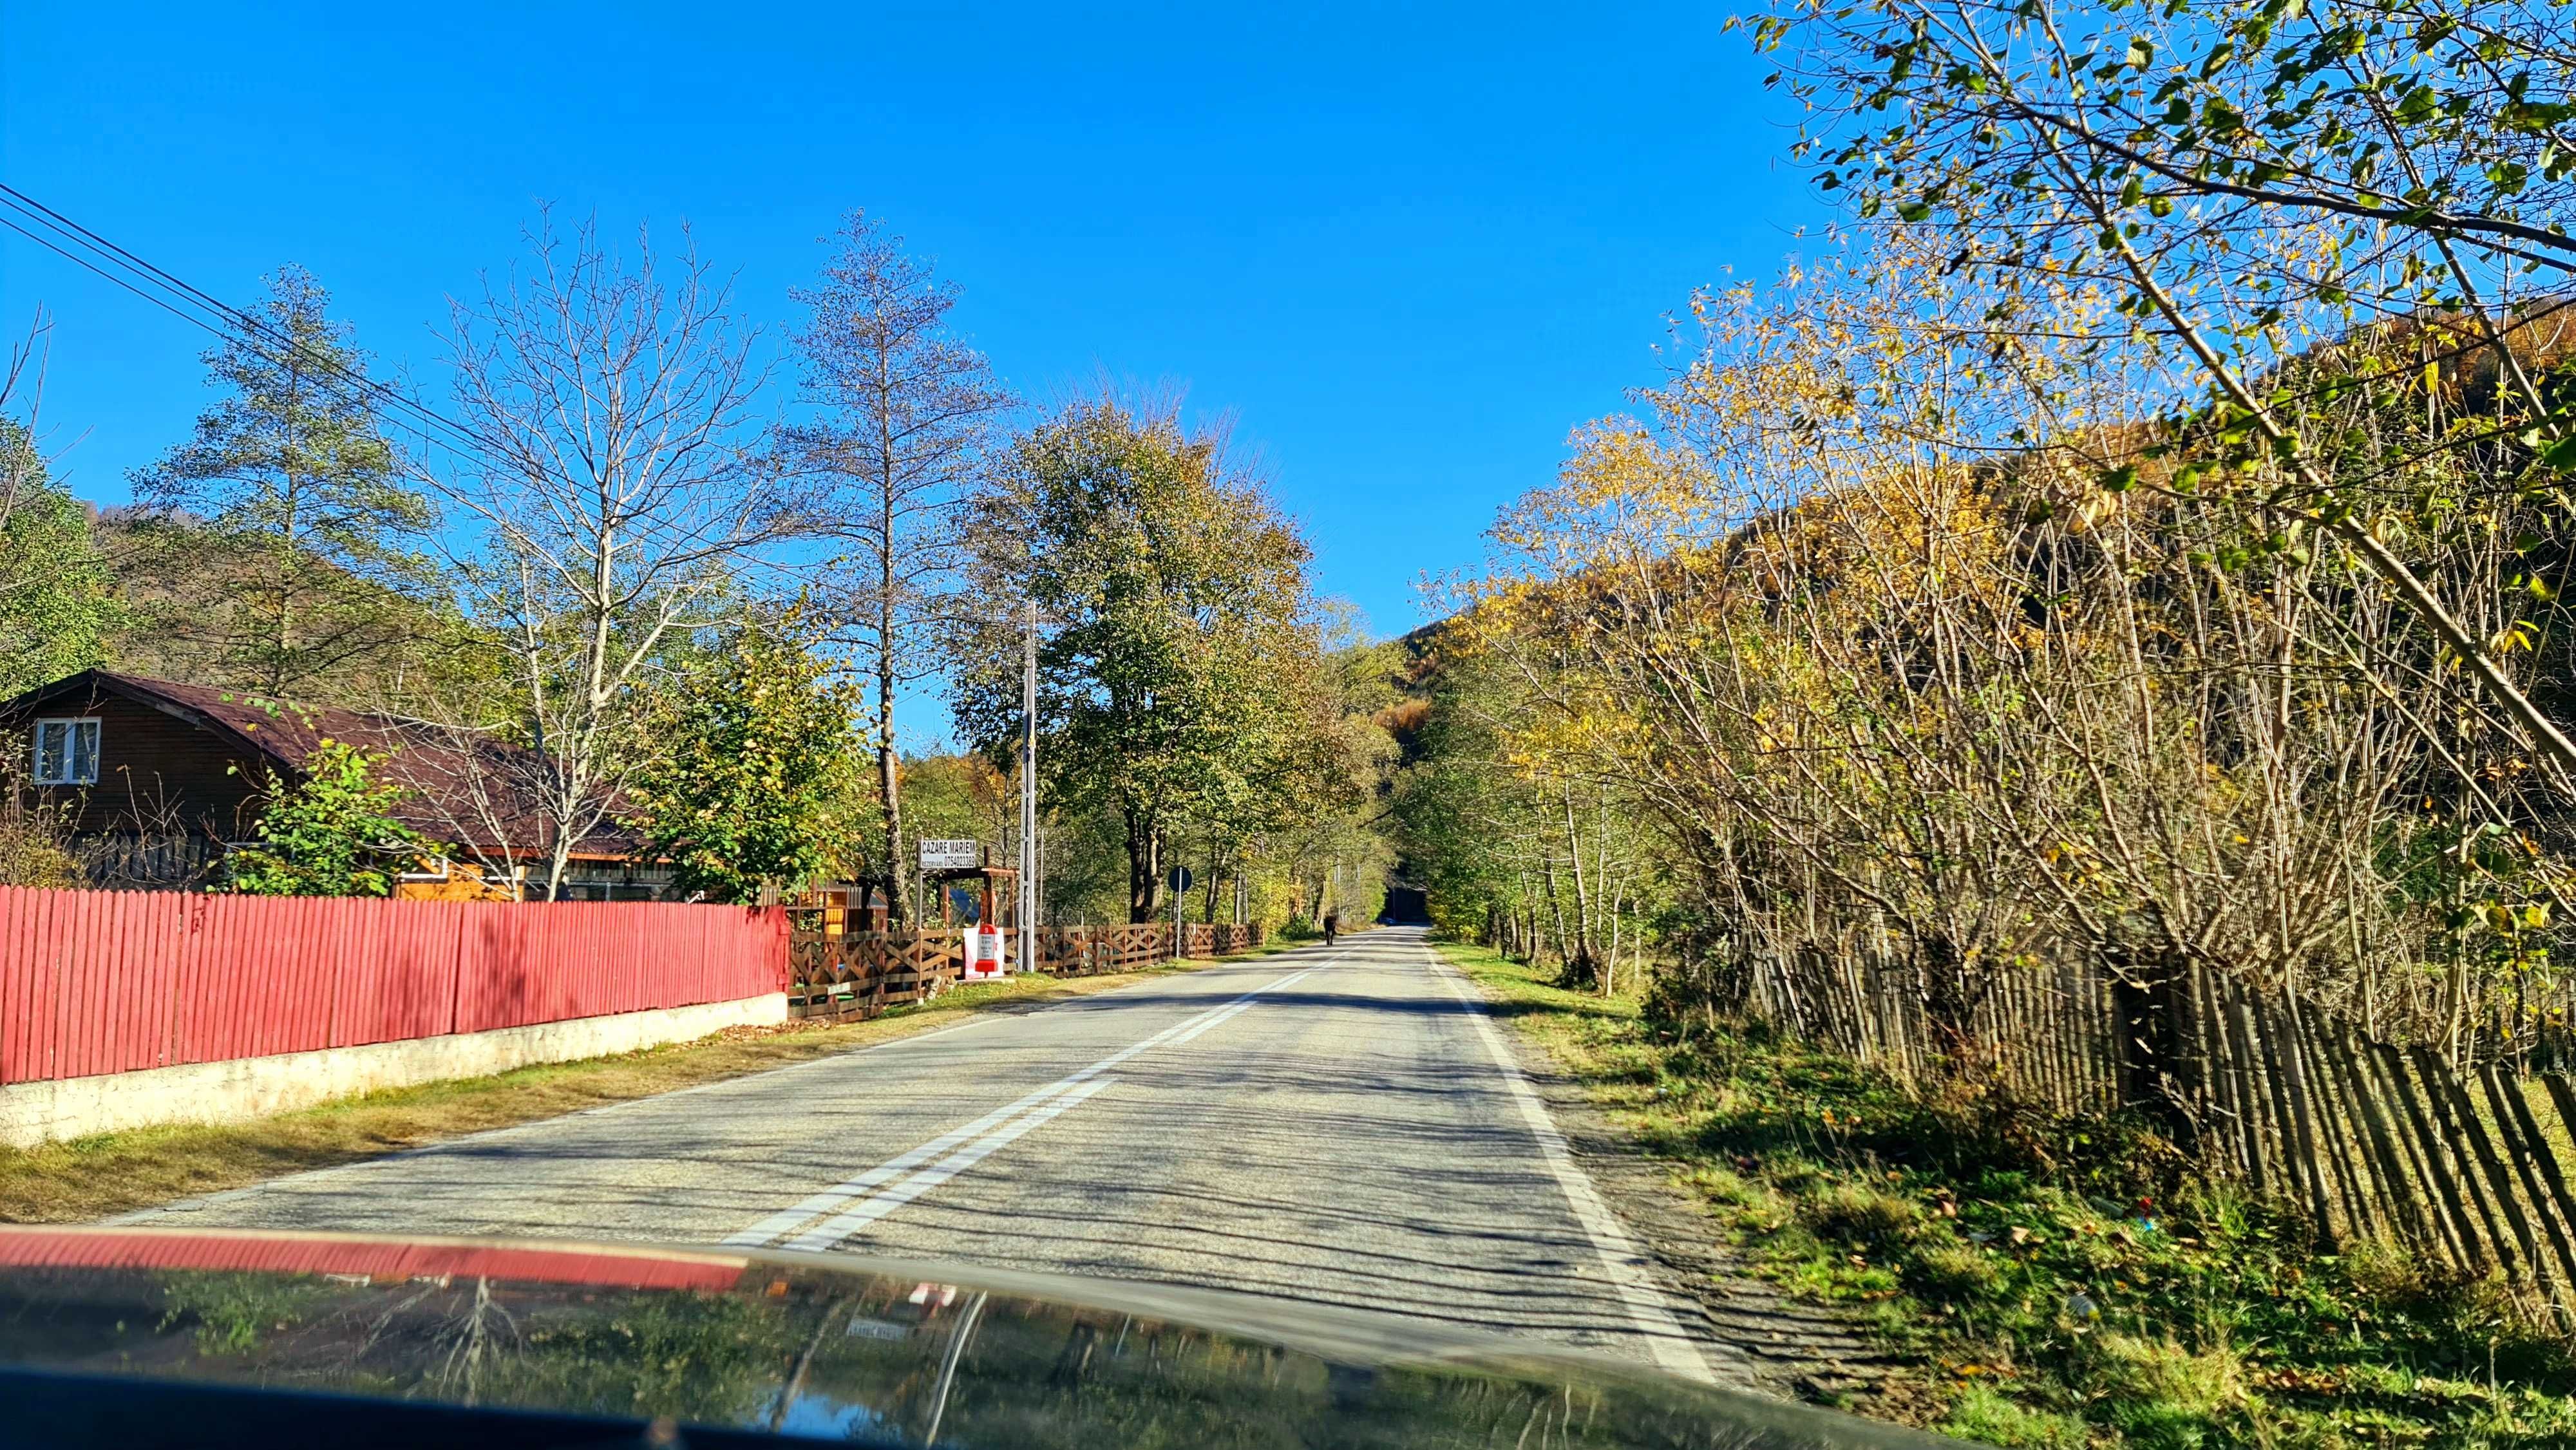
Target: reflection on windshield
[[808, 1350]]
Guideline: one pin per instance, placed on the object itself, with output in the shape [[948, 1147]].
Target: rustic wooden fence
[[156, 863], [860, 974], [2467, 1164]]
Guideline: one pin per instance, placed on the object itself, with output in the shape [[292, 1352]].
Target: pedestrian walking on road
[[1332, 926]]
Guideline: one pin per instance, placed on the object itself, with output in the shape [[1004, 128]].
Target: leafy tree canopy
[[753, 775], [1178, 662], [56, 606]]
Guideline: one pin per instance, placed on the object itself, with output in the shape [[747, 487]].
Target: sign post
[[1180, 879], [1030, 857]]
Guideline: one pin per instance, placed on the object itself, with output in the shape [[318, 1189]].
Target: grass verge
[[2044, 1290], [112, 1173]]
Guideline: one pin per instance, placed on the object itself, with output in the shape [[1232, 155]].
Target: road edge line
[[1673, 1347]]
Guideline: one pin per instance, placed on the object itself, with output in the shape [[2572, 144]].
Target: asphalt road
[[1335, 1126]]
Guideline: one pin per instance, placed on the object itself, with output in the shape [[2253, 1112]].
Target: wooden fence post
[[2335, 1120], [2245, 1085], [2298, 1139], [2532, 1163], [2486, 1177], [2451, 1192], [2405, 1209]]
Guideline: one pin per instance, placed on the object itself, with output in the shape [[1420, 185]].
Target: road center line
[[840, 1226], [787, 1220], [1205, 1023]]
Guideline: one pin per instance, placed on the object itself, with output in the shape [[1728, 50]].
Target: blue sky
[[1406, 248]]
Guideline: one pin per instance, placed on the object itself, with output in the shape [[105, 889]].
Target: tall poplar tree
[[905, 409]]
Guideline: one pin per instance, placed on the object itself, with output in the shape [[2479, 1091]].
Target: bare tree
[[22, 395], [906, 409], [621, 491]]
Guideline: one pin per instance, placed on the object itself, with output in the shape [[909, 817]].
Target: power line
[[79, 245], [114, 263]]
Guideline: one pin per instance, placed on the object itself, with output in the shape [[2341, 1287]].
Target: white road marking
[[540, 1125], [787, 1220], [840, 1226], [1672, 1347], [1208, 1022]]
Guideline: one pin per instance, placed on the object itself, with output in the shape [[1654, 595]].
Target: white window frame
[[70, 756], [438, 871]]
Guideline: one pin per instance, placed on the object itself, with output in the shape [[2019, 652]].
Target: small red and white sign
[[984, 960]]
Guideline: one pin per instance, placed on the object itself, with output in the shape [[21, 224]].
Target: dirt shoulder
[[113, 1173]]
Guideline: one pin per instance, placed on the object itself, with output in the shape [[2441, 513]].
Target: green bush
[[330, 832]]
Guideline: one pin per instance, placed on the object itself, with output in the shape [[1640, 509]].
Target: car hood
[[831, 1347]]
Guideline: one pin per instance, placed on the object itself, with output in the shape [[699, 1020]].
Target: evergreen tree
[[290, 490]]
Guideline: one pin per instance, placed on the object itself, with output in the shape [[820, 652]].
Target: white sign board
[[950, 856]]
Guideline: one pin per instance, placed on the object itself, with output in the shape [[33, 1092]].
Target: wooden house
[[154, 778]]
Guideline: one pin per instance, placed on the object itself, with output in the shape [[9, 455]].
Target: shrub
[[35, 838], [329, 833]]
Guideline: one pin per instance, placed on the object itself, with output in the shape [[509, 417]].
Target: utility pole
[[1029, 857]]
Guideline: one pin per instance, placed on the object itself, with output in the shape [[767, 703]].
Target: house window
[[67, 752]]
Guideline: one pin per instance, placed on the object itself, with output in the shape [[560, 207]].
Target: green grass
[[2044, 1284]]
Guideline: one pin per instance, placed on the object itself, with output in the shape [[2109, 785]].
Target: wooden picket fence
[[2469, 1164], [861, 974]]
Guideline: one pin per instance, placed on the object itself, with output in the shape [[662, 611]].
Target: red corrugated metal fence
[[110, 981]]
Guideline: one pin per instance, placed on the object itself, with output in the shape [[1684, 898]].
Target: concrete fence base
[[250, 1087]]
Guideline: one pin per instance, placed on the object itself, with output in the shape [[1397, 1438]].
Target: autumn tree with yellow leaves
[[1888, 627]]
